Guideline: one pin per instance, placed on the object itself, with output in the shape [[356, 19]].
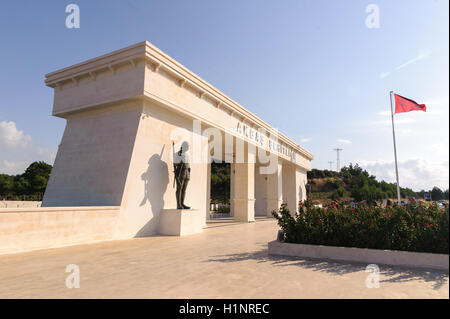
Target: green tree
[[37, 175], [28, 186], [338, 193], [220, 182], [21, 186], [6, 183], [437, 193]]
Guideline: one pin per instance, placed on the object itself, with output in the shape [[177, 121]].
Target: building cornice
[[159, 60]]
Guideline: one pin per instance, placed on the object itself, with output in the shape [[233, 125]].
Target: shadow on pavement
[[388, 273]]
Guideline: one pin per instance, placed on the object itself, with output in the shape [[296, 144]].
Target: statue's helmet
[[185, 146]]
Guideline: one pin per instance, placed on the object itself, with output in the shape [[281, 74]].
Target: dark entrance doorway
[[220, 189]]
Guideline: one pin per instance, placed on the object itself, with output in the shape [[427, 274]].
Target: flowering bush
[[414, 227]]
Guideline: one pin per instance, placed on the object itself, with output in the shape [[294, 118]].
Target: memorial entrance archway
[[124, 110]]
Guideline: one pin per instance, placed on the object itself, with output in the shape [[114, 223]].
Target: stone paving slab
[[227, 260]]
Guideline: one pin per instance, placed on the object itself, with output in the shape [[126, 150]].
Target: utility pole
[[331, 163], [337, 158]]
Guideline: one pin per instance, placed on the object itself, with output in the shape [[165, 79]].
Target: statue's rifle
[[174, 165]]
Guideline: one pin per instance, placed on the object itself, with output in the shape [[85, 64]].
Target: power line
[[331, 163], [337, 159]]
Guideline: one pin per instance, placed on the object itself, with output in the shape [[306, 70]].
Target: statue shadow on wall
[[156, 179]]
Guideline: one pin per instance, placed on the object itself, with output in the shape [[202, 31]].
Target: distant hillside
[[355, 183]]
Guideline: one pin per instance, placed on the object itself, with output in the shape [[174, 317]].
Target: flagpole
[[395, 149]]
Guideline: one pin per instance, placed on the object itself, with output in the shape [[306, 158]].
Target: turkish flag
[[402, 104]]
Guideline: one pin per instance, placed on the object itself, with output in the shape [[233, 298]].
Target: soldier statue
[[182, 172]]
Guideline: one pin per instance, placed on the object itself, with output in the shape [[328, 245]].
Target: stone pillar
[[232, 191], [243, 188], [290, 188], [208, 194], [300, 182], [274, 190], [260, 192]]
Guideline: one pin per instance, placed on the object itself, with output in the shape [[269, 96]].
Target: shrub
[[338, 193], [415, 227], [222, 209]]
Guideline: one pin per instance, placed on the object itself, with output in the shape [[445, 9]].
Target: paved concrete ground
[[228, 260]]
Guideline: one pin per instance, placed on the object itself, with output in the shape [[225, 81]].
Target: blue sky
[[310, 68]]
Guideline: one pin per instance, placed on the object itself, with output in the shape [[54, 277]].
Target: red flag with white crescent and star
[[402, 104]]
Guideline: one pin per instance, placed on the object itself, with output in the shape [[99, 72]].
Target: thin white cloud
[[421, 56], [387, 122], [305, 140], [384, 113], [46, 154], [437, 106], [403, 120], [344, 141], [12, 168], [11, 136], [415, 173], [439, 102], [408, 131], [384, 75], [17, 150]]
